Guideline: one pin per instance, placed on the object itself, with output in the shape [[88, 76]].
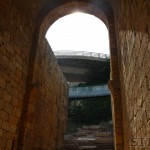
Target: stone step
[[90, 138]]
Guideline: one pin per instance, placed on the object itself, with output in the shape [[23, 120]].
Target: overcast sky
[[80, 32]]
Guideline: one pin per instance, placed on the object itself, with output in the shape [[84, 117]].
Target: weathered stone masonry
[[14, 57], [38, 121], [133, 32], [32, 90], [44, 124]]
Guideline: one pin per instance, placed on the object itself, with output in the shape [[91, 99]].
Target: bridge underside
[[79, 69]]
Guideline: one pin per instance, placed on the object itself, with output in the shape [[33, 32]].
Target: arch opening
[[84, 41], [79, 31], [104, 12]]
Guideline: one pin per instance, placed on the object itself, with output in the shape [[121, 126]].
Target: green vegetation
[[90, 111]]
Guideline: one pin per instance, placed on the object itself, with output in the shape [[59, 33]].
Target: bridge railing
[[89, 91], [81, 53]]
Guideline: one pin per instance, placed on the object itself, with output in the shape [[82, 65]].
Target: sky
[[79, 32]]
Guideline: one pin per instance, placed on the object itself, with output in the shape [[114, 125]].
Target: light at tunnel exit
[[79, 32]]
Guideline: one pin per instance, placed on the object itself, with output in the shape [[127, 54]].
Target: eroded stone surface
[[26, 112]]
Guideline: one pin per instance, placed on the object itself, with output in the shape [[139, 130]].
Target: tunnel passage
[[37, 95], [23, 25]]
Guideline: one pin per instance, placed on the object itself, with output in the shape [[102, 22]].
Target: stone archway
[[104, 13], [20, 35]]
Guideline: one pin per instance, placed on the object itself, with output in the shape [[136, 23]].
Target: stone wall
[[15, 43], [133, 30], [30, 104], [44, 123]]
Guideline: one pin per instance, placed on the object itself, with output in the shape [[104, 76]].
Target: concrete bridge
[[88, 91], [81, 66]]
